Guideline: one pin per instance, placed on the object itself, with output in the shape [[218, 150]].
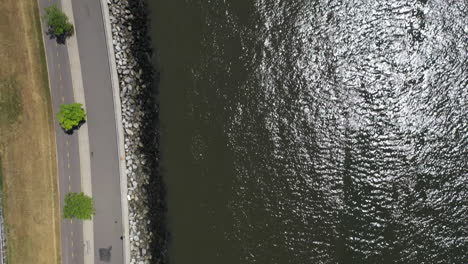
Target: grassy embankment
[[27, 143]]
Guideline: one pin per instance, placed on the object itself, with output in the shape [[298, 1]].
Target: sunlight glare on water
[[314, 131]]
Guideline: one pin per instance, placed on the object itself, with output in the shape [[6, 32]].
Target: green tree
[[71, 115], [78, 205], [57, 21]]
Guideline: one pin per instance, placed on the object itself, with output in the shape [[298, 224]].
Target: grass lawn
[[27, 142]]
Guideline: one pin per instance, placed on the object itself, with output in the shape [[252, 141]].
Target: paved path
[[107, 246], [102, 130], [67, 145]]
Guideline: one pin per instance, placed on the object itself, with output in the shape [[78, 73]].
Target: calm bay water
[[310, 131]]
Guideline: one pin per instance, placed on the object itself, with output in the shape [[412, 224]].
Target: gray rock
[[132, 87], [128, 80]]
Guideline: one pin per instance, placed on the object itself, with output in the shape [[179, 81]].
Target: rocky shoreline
[[138, 96]]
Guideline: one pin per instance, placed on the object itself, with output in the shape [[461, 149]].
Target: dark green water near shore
[[314, 131]]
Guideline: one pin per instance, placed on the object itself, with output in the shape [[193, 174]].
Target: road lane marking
[[57, 53], [63, 100], [72, 243], [58, 65], [68, 154], [67, 140], [69, 177], [60, 76], [71, 233], [73, 255], [69, 188], [68, 164]]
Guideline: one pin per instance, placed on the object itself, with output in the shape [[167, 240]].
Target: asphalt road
[[89, 29], [95, 69], [67, 145]]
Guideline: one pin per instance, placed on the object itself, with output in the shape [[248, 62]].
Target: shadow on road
[[60, 39], [70, 132]]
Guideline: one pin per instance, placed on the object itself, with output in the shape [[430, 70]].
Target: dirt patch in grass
[[27, 142]]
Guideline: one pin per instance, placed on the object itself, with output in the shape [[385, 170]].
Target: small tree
[[57, 21], [71, 115], [78, 205]]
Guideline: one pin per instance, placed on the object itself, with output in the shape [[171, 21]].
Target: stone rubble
[[134, 71]]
